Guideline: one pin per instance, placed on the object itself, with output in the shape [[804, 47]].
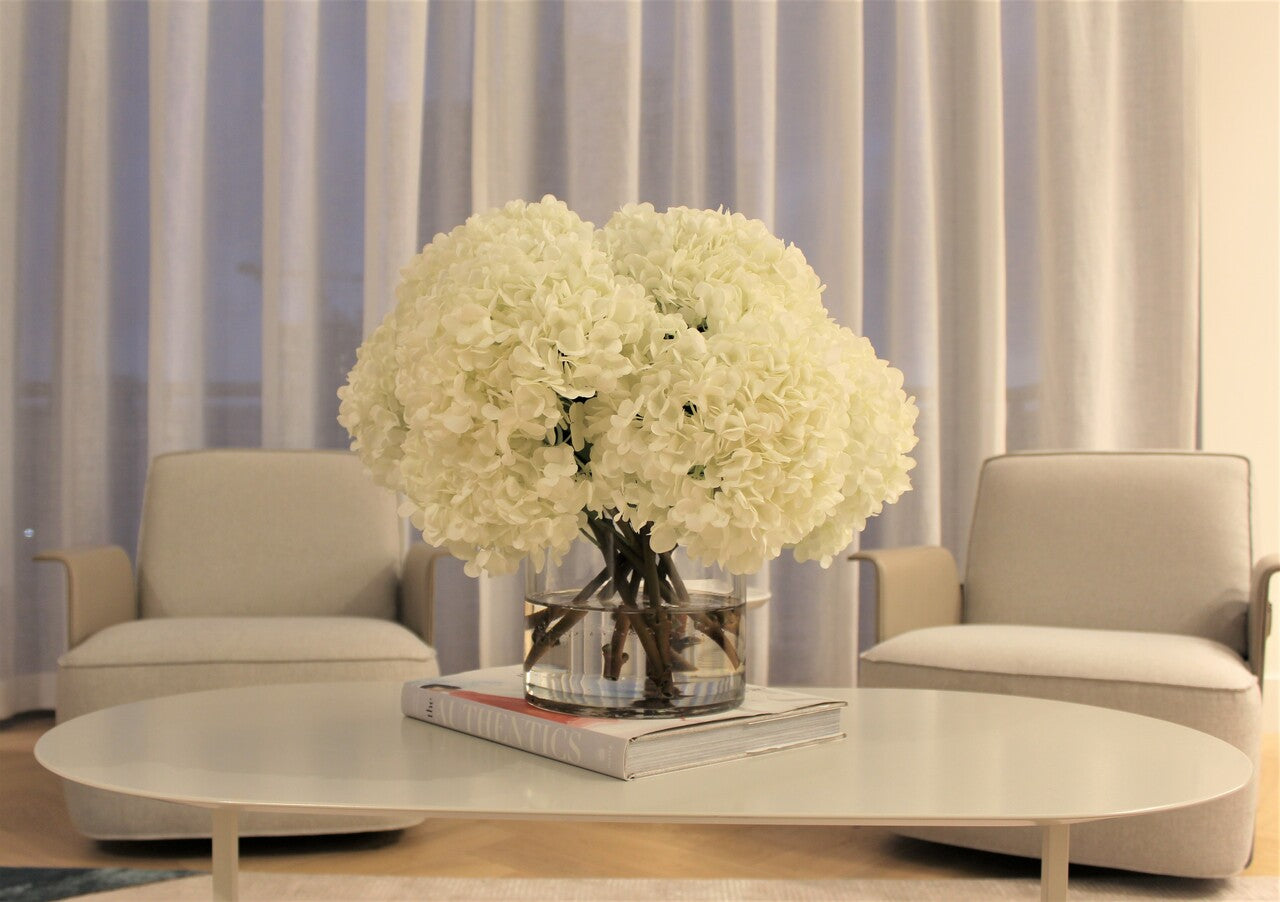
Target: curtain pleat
[[907, 330], [447, 141], [85, 313], [175, 325], [13, 696], [692, 128], [290, 226], [1112, 250], [972, 308], [396, 36], [517, 101], [936, 177], [755, 109], [1082, 86], [602, 112]]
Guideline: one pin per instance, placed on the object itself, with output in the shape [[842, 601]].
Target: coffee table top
[[911, 757]]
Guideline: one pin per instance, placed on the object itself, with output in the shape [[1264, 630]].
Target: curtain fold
[[15, 691], [178, 87], [602, 113], [905, 252], [290, 224], [1115, 221], [972, 249], [755, 110], [396, 49], [206, 206], [516, 52], [84, 327], [314, 178]]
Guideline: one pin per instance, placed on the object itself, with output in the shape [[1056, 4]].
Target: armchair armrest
[[917, 586], [418, 590], [1260, 611], [100, 588]]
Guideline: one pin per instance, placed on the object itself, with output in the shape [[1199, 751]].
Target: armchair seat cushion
[[1185, 679], [168, 655]]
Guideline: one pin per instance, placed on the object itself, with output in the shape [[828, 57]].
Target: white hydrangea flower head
[[880, 436], [460, 400], [747, 431], [369, 408], [675, 370]]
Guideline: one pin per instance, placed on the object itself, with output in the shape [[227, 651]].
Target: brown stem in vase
[[552, 637], [652, 656], [650, 611], [658, 619], [661, 622], [652, 582], [539, 622], [635, 614], [673, 576], [648, 620], [540, 644], [727, 640], [615, 654], [724, 636], [632, 584], [612, 537]]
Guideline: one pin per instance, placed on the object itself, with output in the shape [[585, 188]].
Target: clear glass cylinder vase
[[615, 630]]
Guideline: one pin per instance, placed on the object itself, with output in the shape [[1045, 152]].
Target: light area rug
[[322, 888]]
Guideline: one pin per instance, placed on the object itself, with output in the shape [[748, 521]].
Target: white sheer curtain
[[1032, 218], [203, 207]]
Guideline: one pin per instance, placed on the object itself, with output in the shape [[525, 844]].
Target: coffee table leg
[[1054, 848], [226, 855]]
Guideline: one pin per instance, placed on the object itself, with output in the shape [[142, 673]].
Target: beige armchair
[[253, 567], [1124, 580]]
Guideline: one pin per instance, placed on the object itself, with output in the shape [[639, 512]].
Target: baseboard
[[1271, 704]]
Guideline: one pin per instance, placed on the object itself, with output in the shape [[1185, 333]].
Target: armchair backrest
[[1146, 541], [256, 532]]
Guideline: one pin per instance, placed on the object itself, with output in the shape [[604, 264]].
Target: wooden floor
[[36, 832]]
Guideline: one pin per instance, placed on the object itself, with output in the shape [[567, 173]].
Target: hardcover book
[[490, 704]]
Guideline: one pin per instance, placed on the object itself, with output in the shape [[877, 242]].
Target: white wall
[[1239, 74]]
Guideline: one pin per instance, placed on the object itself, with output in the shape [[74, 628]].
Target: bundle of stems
[[650, 596]]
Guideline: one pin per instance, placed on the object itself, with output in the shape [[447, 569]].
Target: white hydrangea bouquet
[[670, 379]]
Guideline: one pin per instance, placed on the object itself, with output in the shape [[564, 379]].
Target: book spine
[[561, 742]]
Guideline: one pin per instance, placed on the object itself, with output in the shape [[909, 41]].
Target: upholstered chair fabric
[[128, 661], [248, 532], [1155, 542], [1113, 579], [253, 567]]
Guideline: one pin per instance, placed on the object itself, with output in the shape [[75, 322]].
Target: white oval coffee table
[[911, 758]]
